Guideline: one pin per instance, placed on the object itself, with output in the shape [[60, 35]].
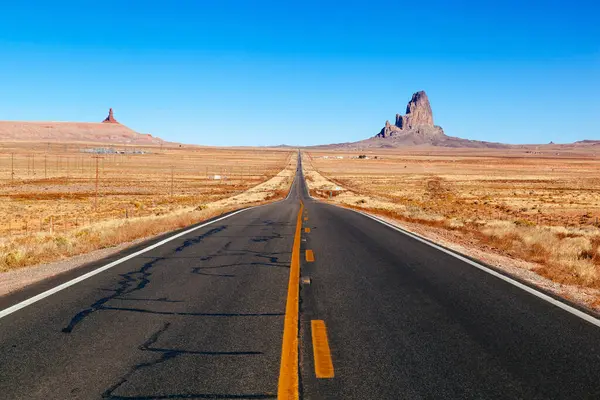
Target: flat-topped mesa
[[110, 119]]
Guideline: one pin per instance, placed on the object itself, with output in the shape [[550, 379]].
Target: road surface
[[202, 316]]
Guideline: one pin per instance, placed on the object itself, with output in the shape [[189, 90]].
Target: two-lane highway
[[384, 316]]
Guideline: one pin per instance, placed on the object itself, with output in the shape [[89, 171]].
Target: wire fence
[[57, 189]]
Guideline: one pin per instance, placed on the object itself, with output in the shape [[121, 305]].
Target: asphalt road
[[202, 316]]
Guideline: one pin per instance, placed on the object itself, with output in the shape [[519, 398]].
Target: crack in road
[[168, 354], [134, 281]]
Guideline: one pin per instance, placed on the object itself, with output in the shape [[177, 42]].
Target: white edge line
[[50, 292], [585, 316], [589, 318]]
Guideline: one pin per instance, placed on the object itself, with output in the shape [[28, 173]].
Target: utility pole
[[45, 166], [96, 198]]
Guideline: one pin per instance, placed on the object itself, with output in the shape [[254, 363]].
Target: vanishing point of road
[[295, 299]]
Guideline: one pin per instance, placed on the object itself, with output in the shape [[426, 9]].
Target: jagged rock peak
[[110, 119], [388, 130], [418, 119], [418, 112]]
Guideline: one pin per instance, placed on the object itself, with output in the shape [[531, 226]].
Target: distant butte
[[110, 119]]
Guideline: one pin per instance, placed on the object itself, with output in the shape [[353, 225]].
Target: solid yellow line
[[287, 388], [310, 256], [306, 230], [322, 353]]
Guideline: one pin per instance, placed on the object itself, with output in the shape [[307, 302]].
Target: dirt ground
[[52, 187], [541, 211], [49, 210]]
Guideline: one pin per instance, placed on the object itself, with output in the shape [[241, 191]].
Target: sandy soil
[[371, 198], [52, 187], [15, 280]]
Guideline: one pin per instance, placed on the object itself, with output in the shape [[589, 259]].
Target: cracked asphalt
[[201, 317]]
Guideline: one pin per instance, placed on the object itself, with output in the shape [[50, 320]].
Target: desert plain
[[538, 211], [63, 199]]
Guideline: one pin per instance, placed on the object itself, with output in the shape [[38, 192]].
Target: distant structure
[[110, 119]]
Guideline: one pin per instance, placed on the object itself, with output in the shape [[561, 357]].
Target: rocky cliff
[[416, 127]]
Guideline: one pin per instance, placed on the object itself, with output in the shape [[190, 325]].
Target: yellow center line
[[321, 350], [306, 218], [310, 256], [306, 230], [287, 388]]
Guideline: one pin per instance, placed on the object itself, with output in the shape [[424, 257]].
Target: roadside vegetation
[[62, 221], [546, 215]]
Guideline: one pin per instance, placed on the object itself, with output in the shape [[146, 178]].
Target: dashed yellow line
[[306, 218], [321, 350], [310, 256], [287, 388], [306, 230]]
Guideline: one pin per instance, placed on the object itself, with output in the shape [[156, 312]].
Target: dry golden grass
[[49, 217], [543, 210]]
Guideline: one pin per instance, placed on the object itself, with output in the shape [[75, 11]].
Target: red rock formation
[[418, 112], [388, 130], [110, 119], [418, 117]]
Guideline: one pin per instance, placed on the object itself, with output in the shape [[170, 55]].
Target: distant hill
[[109, 131]]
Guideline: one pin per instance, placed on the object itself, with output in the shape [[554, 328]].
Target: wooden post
[[45, 166], [97, 178], [12, 167], [96, 198]]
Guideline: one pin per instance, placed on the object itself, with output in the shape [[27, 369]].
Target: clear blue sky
[[224, 72]]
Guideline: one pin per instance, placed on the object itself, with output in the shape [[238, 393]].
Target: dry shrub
[[45, 247], [438, 188], [26, 250]]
